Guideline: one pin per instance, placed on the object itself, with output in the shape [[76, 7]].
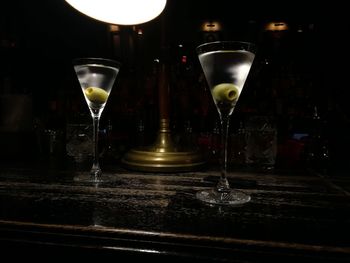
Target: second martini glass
[[96, 77], [226, 65]]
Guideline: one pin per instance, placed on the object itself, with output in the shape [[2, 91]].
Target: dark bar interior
[[297, 92]]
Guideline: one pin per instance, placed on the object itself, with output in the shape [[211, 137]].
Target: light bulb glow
[[120, 12]]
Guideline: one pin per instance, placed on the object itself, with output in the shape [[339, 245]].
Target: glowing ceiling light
[[120, 12], [211, 26], [276, 26]]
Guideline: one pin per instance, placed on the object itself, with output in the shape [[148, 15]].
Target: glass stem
[[223, 185], [95, 171]]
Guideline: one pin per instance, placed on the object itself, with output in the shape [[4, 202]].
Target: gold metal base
[[148, 161], [163, 156]]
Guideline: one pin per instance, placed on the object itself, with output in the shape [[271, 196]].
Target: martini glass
[[226, 65], [96, 77]]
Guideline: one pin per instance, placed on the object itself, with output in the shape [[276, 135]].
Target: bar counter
[[294, 215]]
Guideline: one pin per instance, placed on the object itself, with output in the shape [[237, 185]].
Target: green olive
[[225, 92], [97, 95]]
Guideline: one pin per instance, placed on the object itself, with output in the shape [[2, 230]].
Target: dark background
[[294, 71]]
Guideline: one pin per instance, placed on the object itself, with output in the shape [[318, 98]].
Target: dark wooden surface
[[292, 216]]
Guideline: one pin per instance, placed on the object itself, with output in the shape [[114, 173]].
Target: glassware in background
[[238, 146], [109, 153], [261, 143], [226, 65], [52, 147], [96, 77], [79, 141], [140, 133], [317, 145], [215, 140]]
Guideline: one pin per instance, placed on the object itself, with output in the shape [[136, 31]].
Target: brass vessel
[[163, 155]]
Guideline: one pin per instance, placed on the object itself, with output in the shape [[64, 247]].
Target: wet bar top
[[292, 216]]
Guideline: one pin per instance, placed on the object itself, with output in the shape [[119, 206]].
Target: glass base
[[232, 197]]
